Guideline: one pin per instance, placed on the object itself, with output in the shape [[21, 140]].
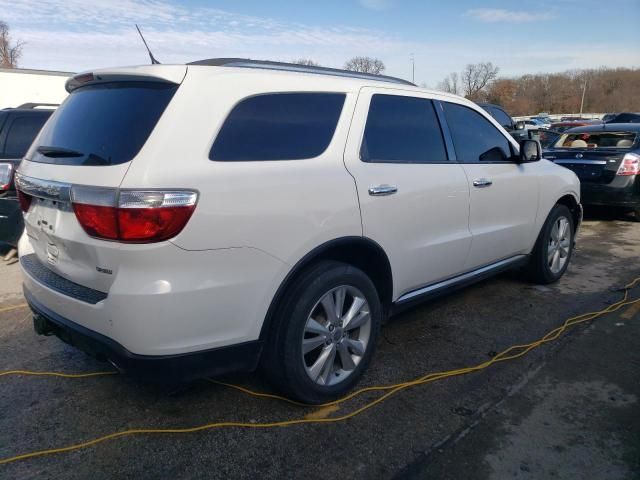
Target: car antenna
[[153, 60]]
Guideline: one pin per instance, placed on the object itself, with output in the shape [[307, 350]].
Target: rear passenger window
[[402, 130], [21, 133], [474, 137], [279, 126]]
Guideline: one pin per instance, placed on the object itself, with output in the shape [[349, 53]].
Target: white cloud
[[76, 35], [510, 16]]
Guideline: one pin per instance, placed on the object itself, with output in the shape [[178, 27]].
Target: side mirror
[[520, 125], [530, 151]]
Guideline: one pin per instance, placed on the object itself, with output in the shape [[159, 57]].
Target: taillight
[[6, 176], [132, 216], [630, 165], [24, 200]]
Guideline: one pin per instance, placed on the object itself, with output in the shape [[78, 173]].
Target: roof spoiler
[[144, 73]]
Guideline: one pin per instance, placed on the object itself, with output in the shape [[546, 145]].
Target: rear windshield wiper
[[55, 152]]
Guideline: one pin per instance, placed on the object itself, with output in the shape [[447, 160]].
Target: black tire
[[284, 363], [539, 270], [636, 213]]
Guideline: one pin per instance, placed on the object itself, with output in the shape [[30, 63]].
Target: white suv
[[189, 220]]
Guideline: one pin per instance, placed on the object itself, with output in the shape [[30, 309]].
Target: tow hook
[[41, 325]]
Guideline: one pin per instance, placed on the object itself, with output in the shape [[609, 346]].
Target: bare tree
[[609, 90], [9, 53], [306, 61], [365, 65], [475, 77], [450, 84]]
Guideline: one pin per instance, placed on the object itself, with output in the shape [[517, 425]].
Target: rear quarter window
[[278, 126]]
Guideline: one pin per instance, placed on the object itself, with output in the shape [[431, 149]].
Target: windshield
[[104, 124], [595, 140]]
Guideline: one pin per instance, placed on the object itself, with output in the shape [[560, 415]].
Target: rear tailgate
[[590, 166], [90, 140]]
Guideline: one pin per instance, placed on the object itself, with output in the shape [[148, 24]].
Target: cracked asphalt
[[570, 409]]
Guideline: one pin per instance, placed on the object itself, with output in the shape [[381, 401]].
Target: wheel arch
[[361, 252], [570, 201]]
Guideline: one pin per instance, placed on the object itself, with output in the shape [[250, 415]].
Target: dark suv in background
[[18, 128], [516, 129]]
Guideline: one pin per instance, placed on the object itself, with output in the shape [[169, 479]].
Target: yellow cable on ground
[[510, 353], [13, 307], [56, 374]]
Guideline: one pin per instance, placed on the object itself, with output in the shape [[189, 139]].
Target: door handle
[[482, 183], [382, 190]]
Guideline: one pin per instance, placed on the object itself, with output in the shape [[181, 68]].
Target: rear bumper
[[621, 192], [11, 221], [164, 301], [156, 368]]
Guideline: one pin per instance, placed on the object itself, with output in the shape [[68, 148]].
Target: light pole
[[413, 69], [584, 90]]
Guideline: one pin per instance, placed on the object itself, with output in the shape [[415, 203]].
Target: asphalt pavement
[[570, 409]]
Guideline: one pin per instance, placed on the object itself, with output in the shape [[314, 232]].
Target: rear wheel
[[554, 247], [326, 333]]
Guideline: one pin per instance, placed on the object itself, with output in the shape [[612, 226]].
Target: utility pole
[[413, 69], [584, 90]]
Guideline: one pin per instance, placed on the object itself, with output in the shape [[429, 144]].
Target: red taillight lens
[[139, 217], [630, 165], [24, 200], [152, 224], [98, 221]]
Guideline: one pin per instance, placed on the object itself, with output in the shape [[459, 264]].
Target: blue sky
[[519, 37]]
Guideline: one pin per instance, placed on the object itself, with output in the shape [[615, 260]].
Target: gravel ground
[[566, 410]]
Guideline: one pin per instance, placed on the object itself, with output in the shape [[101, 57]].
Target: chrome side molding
[[465, 277]]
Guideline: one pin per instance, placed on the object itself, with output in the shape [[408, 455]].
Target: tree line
[[605, 89]]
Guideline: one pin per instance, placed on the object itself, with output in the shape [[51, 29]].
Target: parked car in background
[[308, 205], [606, 159], [544, 121], [533, 124], [516, 129], [567, 124], [18, 127], [625, 117]]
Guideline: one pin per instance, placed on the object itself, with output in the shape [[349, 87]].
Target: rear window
[[595, 140], [279, 126], [104, 124], [21, 132]]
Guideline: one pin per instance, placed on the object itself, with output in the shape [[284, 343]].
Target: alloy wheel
[[559, 245], [336, 335]]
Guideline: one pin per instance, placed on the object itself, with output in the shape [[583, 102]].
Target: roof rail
[[292, 67], [34, 105]]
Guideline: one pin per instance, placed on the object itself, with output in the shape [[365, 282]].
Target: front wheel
[[326, 333], [554, 247]]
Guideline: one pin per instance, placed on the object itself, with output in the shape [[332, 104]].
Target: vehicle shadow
[[598, 213]]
